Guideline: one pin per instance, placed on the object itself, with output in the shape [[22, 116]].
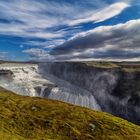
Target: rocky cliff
[[115, 87]]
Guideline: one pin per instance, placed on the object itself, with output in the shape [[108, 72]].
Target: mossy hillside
[[130, 70], [27, 118], [101, 64], [126, 67]]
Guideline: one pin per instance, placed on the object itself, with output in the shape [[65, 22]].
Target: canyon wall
[[115, 91]]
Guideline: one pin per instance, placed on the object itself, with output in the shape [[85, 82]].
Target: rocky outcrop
[[5, 73]]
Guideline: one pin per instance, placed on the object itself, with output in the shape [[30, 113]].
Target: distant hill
[[4, 61], [26, 118]]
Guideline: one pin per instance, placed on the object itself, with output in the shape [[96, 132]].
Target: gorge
[[108, 87]]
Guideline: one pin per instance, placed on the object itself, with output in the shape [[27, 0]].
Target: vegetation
[[101, 64], [129, 70], [123, 66], [27, 118]]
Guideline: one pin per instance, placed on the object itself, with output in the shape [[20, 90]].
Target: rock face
[[115, 90]]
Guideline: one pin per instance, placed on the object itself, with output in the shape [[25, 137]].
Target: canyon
[[108, 87]]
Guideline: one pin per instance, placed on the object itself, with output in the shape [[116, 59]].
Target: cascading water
[[22, 80], [71, 94], [91, 83], [26, 80]]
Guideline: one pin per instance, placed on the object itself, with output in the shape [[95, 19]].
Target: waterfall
[[26, 80], [114, 90], [23, 80]]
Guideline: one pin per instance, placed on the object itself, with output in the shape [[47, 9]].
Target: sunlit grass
[[109, 65], [27, 118], [101, 64]]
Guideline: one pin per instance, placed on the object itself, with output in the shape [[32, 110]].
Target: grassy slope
[[129, 67], [26, 118], [101, 64]]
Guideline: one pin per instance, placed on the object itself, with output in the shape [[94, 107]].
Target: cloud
[[102, 14], [35, 52], [55, 22], [26, 18], [39, 54], [3, 55], [46, 44], [25, 31], [32, 18], [120, 41]]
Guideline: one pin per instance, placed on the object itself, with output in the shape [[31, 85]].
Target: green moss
[[101, 64], [126, 67], [26, 118], [130, 70]]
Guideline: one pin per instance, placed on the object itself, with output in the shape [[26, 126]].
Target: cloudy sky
[[59, 30]]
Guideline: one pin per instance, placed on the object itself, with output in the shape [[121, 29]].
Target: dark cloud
[[118, 41]]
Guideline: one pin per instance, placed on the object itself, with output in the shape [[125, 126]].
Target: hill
[[27, 118]]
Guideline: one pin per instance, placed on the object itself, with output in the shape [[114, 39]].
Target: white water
[[26, 78], [71, 94], [23, 80]]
